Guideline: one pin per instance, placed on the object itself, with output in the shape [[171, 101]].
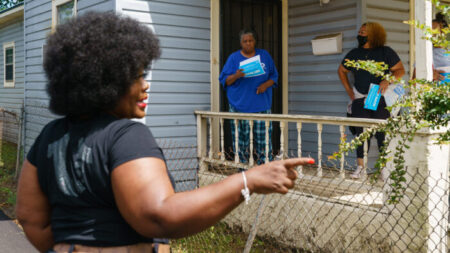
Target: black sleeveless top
[[363, 79]]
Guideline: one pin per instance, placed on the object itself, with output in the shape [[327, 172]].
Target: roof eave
[[11, 14]]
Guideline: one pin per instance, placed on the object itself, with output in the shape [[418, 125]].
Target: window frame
[[55, 5], [9, 45]]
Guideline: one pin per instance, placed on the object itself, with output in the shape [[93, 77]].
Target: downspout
[[19, 140], [412, 38], [23, 112], [215, 71], [285, 67]]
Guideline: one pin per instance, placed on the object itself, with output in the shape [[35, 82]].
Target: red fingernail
[[311, 161]]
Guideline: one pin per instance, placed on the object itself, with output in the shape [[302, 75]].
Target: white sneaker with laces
[[357, 173]]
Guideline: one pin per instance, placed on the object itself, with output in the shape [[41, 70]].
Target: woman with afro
[[94, 179]]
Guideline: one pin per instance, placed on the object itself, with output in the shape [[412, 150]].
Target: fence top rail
[[329, 120]]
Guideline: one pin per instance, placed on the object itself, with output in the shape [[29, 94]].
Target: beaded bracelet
[[245, 192]]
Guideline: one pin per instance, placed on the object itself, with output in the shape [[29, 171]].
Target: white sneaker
[[357, 173]]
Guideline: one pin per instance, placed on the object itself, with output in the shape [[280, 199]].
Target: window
[[63, 10], [8, 63]]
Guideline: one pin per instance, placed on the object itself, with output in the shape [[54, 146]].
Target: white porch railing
[[207, 152], [326, 213]]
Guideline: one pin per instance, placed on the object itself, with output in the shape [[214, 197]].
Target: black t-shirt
[[74, 162], [363, 78]]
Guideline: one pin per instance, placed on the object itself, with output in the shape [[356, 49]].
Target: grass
[[222, 238], [215, 239], [8, 184]]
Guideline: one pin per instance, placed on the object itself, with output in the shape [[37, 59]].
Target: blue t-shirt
[[242, 93]]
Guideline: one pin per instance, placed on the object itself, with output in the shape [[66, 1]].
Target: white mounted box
[[327, 44]]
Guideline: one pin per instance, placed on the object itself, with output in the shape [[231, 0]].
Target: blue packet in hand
[[445, 72], [373, 97]]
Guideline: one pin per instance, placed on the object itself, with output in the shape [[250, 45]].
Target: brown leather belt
[[135, 248]]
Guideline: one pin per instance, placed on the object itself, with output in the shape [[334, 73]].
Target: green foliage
[[6, 4], [427, 105], [219, 238], [9, 195], [222, 238], [8, 152]]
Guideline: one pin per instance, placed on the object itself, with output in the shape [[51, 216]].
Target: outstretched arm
[[147, 200]]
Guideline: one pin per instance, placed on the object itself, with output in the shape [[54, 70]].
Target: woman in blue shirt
[[250, 94]]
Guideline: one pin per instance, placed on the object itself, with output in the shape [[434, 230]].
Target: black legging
[[358, 111]]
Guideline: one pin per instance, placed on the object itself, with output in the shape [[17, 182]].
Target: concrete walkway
[[12, 238]]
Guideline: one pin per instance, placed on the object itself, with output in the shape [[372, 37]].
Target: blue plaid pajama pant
[[259, 139]]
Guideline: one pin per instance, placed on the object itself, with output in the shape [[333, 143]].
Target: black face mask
[[362, 40]]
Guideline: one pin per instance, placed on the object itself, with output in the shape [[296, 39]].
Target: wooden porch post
[[423, 48], [202, 128], [436, 160], [215, 72], [285, 67]]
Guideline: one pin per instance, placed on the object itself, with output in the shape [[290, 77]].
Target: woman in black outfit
[[371, 46]]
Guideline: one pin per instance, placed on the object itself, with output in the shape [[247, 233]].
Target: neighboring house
[[186, 77], [11, 70]]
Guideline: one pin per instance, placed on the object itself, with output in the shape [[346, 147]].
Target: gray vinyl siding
[[391, 14], [38, 21], [11, 98], [180, 79], [314, 86]]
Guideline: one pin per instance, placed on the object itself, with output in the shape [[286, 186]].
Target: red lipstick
[[142, 105]]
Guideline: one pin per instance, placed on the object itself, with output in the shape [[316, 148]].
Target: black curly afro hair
[[92, 60]]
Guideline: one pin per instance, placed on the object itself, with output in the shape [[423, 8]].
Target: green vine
[[427, 105]]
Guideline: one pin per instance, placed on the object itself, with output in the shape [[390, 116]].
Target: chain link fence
[[10, 157], [332, 212], [329, 214], [11, 122]]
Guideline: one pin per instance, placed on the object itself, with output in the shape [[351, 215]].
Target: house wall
[[314, 86], [11, 98], [180, 79], [391, 14], [38, 22]]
